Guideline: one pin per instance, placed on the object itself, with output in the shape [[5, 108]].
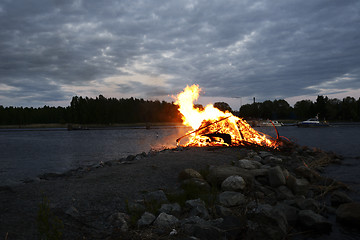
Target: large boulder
[[337, 198], [233, 183], [223, 211], [231, 199], [197, 208], [119, 220], [156, 197], [276, 177], [267, 222], [290, 212], [217, 174], [234, 226], [188, 174], [170, 208], [248, 164], [195, 186], [307, 204], [166, 221], [283, 192], [298, 186], [146, 220], [349, 213], [311, 220]]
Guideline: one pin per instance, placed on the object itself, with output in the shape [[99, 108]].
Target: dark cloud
[[262, 48]]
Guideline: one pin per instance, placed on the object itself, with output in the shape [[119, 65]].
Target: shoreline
[[84, 198]]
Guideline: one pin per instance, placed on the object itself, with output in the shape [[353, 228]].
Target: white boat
[[269, 124], [313, 122]]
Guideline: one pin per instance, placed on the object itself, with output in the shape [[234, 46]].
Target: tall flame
[[210, 126]]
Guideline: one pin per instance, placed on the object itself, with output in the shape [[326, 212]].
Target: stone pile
[[262, 195]]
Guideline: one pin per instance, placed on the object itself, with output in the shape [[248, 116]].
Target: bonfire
[[212, 127]]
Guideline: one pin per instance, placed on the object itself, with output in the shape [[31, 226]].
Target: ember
[[212, 127]]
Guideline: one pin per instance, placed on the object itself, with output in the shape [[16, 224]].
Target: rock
[[134, 207], [260, 175], [248, 164], [259, 172], [197, 208], [267, 191], [201, 229], [207, 232], [195, 186], [172, 209], [307, 204], [156, 197], [231, 199], [138, 157], [233, 183], [233, 226], [217, 174], [276, 177], [130, 158], [187, 225], [119, 220], [264, 154], [267, 222], [251, 154], [284, 192], [257, 158], [286, 173], [73, 212], [307, 173], [223, 211], [166, 221], [337, 198], [290, 212], [311, 220], [349, 213], [146, 220], [259, 195], [298, 186], [192, 220], [275, 160], [188, 174]]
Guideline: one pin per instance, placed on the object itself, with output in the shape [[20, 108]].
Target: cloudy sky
[[52, 50]]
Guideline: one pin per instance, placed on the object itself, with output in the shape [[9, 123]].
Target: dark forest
[[101, 110]]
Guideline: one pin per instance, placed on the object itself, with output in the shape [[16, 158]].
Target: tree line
[[325, 108], [99, 110]]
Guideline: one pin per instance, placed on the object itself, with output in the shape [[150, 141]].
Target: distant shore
[[89, 126], [120, 125]]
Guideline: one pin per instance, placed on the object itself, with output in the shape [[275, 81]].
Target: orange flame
[[212, 127]]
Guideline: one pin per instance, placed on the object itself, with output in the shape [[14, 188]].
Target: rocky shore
[[184, 193]]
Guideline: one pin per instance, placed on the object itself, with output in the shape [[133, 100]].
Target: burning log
[[224, 136]]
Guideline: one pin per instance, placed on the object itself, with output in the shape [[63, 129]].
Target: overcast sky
[[52, 50]]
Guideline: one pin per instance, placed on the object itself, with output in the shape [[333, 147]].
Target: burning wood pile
[[212, 127]]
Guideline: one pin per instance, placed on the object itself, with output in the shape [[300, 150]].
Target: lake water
[[28, 153]]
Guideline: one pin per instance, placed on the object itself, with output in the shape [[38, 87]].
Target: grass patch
[[50, 227]]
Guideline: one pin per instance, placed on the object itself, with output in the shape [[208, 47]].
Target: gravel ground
[[94, 194]]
